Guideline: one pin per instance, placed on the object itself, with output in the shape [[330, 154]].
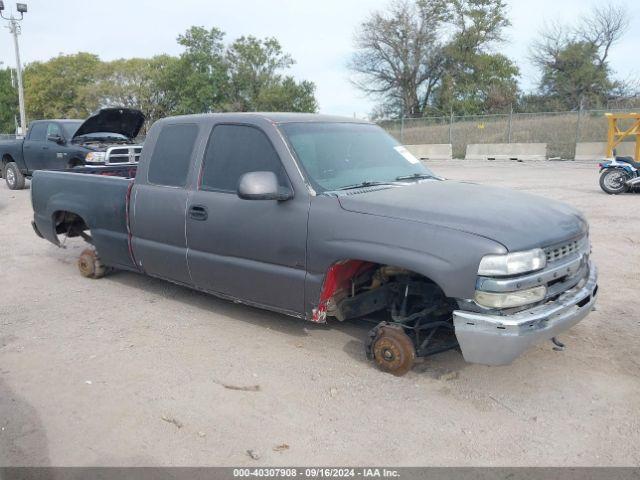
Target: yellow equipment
[[616, 135]]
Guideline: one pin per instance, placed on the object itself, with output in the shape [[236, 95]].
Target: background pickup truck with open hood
[[105, 138], [316, 217]]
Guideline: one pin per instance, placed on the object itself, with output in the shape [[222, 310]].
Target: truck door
[[158, 205], [55, 153], [251, 250], [33, 147]]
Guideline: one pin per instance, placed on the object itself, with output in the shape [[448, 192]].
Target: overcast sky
[[317, 33]]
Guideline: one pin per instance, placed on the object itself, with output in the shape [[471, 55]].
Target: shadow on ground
[[23, 440], [436, 366]]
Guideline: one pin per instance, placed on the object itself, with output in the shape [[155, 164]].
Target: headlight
[[512, 263], [511, 299], [95, 157]]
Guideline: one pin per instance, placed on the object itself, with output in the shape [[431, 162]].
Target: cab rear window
[[172, 155]]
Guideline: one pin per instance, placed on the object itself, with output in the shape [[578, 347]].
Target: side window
[[38, 132], [171, 156], [234, 150], [53, 129]]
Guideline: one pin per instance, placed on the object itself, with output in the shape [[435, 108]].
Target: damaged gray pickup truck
[[316, 216]]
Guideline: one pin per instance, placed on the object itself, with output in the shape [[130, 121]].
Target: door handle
[[198, 212]]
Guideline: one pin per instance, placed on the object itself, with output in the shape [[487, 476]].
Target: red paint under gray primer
[[337, 278]]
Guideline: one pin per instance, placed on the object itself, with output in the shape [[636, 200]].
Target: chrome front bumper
[[499, 339]]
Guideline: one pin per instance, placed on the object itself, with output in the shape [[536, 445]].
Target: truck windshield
[[70, 128], [343, 155]]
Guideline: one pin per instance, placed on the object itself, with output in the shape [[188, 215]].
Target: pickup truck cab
[[316, 216], [105, 138]]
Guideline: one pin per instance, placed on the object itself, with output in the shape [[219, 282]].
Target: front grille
[[558, 252], [128, 154]]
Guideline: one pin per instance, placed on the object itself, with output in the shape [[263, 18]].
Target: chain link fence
[[559, 130]]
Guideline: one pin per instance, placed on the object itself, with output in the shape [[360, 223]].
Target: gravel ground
[[129, 370]]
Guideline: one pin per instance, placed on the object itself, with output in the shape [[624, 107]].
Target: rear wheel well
[[71, 224]]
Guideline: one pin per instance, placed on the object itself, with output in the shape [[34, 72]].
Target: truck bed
[[128, 170], [99, 196]]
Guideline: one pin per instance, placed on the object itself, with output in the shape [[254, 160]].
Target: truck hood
[[517, 220], [125, 121]]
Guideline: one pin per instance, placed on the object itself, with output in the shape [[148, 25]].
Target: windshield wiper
[[364, 184], [415, 176]]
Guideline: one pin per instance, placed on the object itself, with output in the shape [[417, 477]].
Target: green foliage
[[255, 84], [475, 80], [142, 83], [287, 95], [8, 102], [433, 55], [206, 77], [487, 84], [574, 76], [199, 78], [573, 60], [62, 87]]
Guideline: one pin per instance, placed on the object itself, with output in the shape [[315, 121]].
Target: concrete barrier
[[431, 151], [506, 151], [597, 150]]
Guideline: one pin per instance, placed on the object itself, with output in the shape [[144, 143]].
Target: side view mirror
[[55, 138], [262, 186]]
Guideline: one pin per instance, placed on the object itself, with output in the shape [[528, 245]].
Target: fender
[[100, 201], [22, 163], [626, 168], [61, 202], [337, 246]]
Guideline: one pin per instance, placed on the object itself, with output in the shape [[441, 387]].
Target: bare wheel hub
[[90, 265], [393, 350]]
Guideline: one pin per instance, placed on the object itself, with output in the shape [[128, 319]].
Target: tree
[[287, 95], [573, 61], [400, 55], [199, 78], [475, 80], [207, 76], [8, 102], [255, 82], [141, 83], [62, 87], [487, 83], [426, 54]]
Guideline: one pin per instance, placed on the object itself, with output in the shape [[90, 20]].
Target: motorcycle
[[619, 175]]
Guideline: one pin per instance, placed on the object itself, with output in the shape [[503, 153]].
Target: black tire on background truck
[[13, 176]]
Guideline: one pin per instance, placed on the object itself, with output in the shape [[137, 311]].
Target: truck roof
[[275, 117], [61, 120]]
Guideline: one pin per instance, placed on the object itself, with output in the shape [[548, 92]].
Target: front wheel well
[[71, 224], [354, 288], [75, 162], [6, 159]]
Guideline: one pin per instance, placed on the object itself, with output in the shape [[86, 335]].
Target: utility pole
[[510, 123], [14, 28], [451, 124]]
